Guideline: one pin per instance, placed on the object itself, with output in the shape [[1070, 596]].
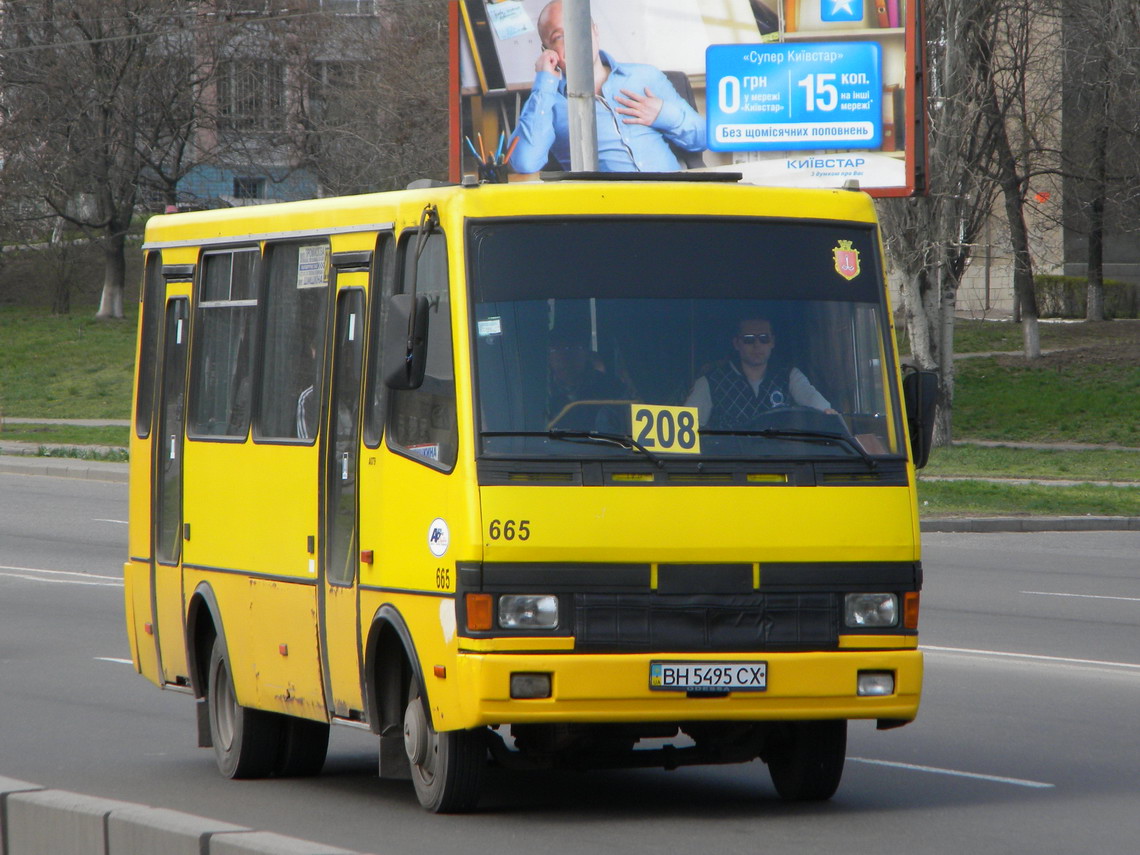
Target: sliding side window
[[223, 348]]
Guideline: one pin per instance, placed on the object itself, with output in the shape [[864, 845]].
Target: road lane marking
[[113, 659], [956, 773], [38, 574], [120, 522], [1057, 660], [1082, 596]]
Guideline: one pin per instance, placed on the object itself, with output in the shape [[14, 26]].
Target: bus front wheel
[[447, 767], [245, 740], [806, 759]]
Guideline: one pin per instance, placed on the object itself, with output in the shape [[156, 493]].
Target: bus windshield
[[660, 337]]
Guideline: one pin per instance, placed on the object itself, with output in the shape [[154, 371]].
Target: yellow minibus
[[572, 473]]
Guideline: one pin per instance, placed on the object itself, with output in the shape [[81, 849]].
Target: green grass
[[118, 437], [981, 498], [982, 462], [979, 336], [65, 366], [1076, 402]]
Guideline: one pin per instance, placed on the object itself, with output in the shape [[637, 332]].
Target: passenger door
[[340, 555], [166, 534]]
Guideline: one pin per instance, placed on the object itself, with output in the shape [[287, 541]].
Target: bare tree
[[87, 92], [1102, 127], [372, 96], [1016, 46], [931, 238]]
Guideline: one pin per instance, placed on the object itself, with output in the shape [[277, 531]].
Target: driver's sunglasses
[[756, 338]]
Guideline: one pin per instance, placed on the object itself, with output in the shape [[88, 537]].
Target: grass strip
[[984, 462], [984, 498], [49, 434]]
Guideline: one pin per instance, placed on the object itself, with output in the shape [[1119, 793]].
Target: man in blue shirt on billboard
[[639, 113]]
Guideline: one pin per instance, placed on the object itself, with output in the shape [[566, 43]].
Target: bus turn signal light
[[910, 610], [480, 612]]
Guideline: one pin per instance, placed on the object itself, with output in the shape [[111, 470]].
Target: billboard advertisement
[[803, 93]]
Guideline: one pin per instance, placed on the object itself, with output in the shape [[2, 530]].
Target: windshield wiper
[[829, 437], [589, 435]]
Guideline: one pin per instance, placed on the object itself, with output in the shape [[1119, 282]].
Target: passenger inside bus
[[734, 393], [578, 375]]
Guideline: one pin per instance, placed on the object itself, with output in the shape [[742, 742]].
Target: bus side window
[[222, 353], [376, 392], [422, 421], [152, 317], [296, 306]]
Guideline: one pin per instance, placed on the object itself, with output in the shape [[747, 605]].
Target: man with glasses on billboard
[[639, 113]]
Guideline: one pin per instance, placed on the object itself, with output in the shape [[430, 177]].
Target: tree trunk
[[918, 322], [943, 425], [61, 272], [114, 274], [1023, 295], [1094, 311]]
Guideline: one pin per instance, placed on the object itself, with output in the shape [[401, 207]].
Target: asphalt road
[[1027, 741]]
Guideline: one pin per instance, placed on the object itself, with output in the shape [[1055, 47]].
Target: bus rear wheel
[[447, 767], [304, 746], [806, 758], [245, 740]]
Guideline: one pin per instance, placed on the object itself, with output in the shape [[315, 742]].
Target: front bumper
[[613, 688]]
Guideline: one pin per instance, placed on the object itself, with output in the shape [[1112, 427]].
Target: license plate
[[708, 676]]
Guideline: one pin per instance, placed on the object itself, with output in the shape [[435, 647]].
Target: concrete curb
[[36, 821], [1023, 524], [64, 467]]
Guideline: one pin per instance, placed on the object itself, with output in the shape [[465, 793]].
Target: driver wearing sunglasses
[[732, 395]]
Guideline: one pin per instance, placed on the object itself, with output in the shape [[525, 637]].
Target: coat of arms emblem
[[846, 260]]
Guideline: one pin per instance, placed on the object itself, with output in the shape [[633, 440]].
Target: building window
[[249, 188], [251, 95]]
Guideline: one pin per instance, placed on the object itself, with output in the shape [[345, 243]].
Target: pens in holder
[[510, 150], [471, 146], [493, 169]]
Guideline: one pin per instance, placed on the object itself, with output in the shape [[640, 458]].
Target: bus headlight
[[871, 610], [528, 611]]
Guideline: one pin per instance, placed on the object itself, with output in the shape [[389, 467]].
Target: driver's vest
[[735, 405]]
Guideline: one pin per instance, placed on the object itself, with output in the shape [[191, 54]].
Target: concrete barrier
[[36, 821]]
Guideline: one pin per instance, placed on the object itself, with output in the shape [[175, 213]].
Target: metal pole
[[580, 85]]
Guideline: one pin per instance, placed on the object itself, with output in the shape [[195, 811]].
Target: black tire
[[246, 741], [806, 759], [447, 768], [304, 746]]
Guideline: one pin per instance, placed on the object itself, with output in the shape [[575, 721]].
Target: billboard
[[803, 93]]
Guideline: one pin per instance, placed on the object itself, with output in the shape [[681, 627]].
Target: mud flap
[[205, 738]]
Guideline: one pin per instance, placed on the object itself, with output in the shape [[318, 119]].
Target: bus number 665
[[509, 530]]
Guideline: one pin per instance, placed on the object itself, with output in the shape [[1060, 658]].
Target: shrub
[[1067, 297]]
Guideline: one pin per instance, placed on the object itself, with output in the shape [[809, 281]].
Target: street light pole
[[578, 33]]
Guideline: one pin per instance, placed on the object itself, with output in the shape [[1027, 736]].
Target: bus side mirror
[[920, 392], [405, 341]]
